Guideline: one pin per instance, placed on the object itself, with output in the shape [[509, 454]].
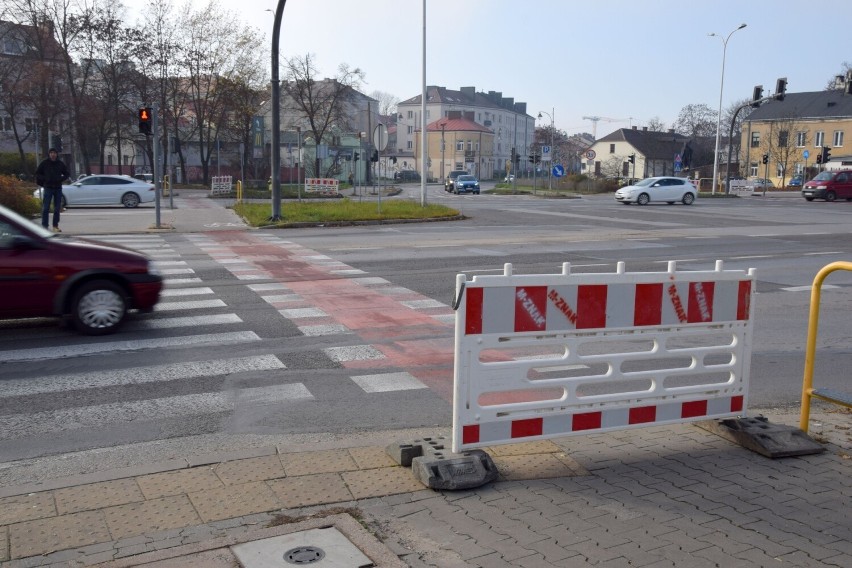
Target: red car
[[94, 284]]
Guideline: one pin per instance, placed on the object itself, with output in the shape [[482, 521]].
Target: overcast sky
[[609, 58]]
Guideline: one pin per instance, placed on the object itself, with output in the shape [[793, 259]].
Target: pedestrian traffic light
[[826, 154], [356, 157], [756, 96], [375, 156], [819, 158], [631, 158], [145, 116], [780, 88], [766, 158]]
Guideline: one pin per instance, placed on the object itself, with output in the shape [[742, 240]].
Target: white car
[[103, 189], [658, 189]]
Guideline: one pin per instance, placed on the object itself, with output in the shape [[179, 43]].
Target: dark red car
[[43, 274]]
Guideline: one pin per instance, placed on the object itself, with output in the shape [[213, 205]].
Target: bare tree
[[216, 52], [696, 120], [656, 125], [323, 105], [387, 102], [781, 144], [832, 84]]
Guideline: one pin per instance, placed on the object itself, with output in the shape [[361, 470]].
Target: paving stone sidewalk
[[660, 496]]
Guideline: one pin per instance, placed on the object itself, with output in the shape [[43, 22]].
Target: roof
[[456, 125], [819, 104], [651, 144], [468, 96]]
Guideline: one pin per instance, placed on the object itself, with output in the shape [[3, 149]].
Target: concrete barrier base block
[[758, 435], [436, 467]]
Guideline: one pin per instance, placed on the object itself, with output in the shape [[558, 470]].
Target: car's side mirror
[[23, 242]]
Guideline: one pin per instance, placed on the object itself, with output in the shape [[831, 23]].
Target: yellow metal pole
[[810, 346]]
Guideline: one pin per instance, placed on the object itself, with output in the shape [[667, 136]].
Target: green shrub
[[10, 163], [17, 195]]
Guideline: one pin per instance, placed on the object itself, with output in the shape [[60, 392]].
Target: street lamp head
[[539, 115], [741, 26]]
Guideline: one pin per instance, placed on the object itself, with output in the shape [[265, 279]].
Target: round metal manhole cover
[[304, 555]]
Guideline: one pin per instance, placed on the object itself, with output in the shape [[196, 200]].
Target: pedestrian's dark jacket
[[51, 173]]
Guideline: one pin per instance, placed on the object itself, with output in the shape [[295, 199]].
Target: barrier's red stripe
[[530, 308], [737, 403], [586, 421], [642, 415], [700, 306], [591, 306], [528, 427], [744, 300], [693, 409], [648, 306], [473, 311], [470, 434]]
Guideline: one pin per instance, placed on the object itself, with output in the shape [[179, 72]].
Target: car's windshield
[[35, 228], [467, 178], [824, 176], [646, 182]]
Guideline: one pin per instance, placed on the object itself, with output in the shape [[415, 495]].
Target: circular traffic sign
[[806, 154], [590, 154], [558, 170]]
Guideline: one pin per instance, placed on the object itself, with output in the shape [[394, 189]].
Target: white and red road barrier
[[323, 186], [221, 185], [544, 356]]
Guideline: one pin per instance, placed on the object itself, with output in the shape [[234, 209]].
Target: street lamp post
[[719, 118], [550, 165]]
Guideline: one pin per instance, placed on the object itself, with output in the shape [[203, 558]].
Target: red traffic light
[[145, 118]]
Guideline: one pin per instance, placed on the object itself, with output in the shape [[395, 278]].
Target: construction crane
[[595, 120]]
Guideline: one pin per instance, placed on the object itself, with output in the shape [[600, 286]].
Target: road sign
[[590, 154], [545, 153], [558, 170], [678, 163], [806, 154], [380, 137]]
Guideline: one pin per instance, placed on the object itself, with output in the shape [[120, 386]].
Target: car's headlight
[[153, 269]]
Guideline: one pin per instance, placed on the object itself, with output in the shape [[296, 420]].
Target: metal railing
[[808, 391]]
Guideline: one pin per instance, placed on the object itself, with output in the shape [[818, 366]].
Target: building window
[[408, 145], [612, 148], [782, 138], [411, 114], [819, 139], [801, 138], [109, 159], [459, 145], [469, 145], [29, 124], [427, 114], [838, 138], [755, 139], [7, 123], [410, 129], [126, 160], [752, 169]]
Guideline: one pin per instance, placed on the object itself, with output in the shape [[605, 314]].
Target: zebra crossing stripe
[[192, 305], [62, 352], [155, 409], [139, 375], [188, 321]]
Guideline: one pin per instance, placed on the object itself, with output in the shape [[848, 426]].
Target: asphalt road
[[237, 356]]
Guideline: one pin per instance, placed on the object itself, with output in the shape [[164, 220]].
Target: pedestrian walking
[[50, 174]]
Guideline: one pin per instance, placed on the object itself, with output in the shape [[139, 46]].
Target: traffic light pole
[[155, 144]]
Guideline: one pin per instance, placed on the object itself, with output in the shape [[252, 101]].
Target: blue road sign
[[806, 154], [558, 170]]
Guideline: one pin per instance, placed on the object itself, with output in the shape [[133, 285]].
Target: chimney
[[644, 129], [635, 128], [839, 82], [671, 130]]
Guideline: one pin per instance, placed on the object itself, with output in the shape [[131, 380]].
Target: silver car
[[658, 189], [103, 189]]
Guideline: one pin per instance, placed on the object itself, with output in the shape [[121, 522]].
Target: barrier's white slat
[[541, 356]]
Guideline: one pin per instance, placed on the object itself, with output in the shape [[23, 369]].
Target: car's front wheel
[[643, 199], [98, 307], [688, 199], [830, 196], [809, 198], [130, 200]]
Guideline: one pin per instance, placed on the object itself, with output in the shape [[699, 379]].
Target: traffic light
[[819, 158], [356, 157], [780, 88], [631, 158], [393, 158], [826, 154], [375, 156], [145, 117], [766, 158], [756, 96]]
